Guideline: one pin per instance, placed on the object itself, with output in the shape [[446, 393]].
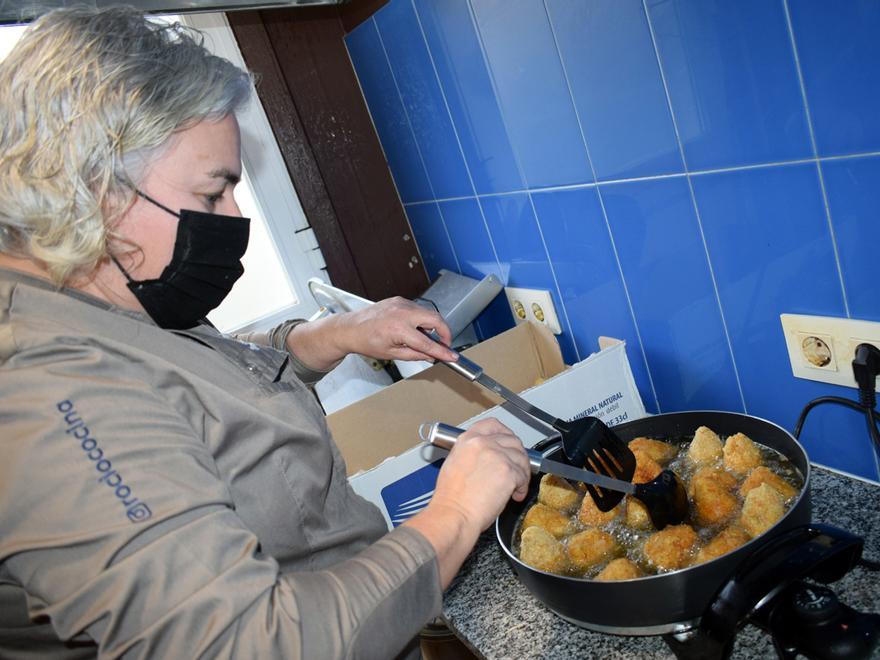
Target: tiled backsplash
[[676, 172]]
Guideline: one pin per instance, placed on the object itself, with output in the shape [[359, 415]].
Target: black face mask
[[205, 264]]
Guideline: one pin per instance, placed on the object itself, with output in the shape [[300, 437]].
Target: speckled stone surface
[[498, 618]]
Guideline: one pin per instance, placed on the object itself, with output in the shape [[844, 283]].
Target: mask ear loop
[[153, 201], [121, 269]]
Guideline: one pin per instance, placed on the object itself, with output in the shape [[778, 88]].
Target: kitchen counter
[[497, 617]]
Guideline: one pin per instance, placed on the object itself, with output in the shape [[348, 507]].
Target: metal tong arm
[[474, 372], [444, 436]]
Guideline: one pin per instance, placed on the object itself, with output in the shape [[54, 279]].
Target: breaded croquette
[[647, 469], [660, 451], [719, 475], [741, 454], [551, 520], [590, 515], [764, 475], [558, 494], [671, 547], [713, 501], [590, 547], [540, 549], [620, 569], [762, 508], [726, 540], [637, 514], [706, 446]]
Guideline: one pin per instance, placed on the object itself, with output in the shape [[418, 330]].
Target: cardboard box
[[378, 436]]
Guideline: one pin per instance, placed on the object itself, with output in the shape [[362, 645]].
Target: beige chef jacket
[[177, 495]]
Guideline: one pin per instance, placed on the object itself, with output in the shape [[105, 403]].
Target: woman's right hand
[[486, 467]]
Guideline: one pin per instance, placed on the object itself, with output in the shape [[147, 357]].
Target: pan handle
[[444, 436]]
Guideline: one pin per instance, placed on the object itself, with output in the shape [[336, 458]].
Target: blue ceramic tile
[[853, 188], [521, 253], [469, 235], [452, 40], [388, 114], [840, 60], [422, 98], [612, 68], [532, 90], [732, 81], [431, 237], [495, 319], [580, 248], [476, 258], [663, 260], [771, 253]]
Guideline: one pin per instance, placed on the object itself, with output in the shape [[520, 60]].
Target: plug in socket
[[822, 347]]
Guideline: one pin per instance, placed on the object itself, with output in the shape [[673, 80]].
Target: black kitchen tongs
[[664, 497], [587, 442]]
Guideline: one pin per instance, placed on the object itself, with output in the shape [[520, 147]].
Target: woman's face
[[197, 171]]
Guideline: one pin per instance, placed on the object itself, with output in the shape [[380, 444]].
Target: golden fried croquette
[[725, 541], [762, 508], [706, 446], [558, 494], [671, 547], [764, 475], [540, 549], [647, 469], [637, 514], [741, 454], [718, 475], [660, 451], [590, 515], [713, 501], [590, 547], [551, 520], [620, 569]]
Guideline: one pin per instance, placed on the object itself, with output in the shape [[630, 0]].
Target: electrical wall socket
[[533, 305], [822, 347]]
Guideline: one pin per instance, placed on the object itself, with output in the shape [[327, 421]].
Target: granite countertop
[[497, 617]]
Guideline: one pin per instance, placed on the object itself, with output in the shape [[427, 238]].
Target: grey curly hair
[[86, 96]]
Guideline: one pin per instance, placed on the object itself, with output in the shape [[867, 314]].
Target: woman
[[165, 491]]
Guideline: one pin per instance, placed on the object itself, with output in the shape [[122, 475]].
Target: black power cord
[[866, 368]]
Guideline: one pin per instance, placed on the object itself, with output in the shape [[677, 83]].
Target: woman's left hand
[[387, 330]]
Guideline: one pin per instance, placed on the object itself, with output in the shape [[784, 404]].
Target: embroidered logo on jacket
[[136, 510]]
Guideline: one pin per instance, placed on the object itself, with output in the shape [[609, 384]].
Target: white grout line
[[656, 177], [697, 214], [604, 212], [467, 168], [865, 154], [809, 118], [418, 149], [522, 175]]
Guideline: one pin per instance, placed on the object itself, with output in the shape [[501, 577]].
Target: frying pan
[[669, 602]]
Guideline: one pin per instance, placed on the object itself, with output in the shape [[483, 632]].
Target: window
[[282, 254]]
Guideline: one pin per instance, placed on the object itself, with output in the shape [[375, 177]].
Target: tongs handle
[[474, 372], [444, 436]]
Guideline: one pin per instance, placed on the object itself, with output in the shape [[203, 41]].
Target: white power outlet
[[533, 305], [822, 347]]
